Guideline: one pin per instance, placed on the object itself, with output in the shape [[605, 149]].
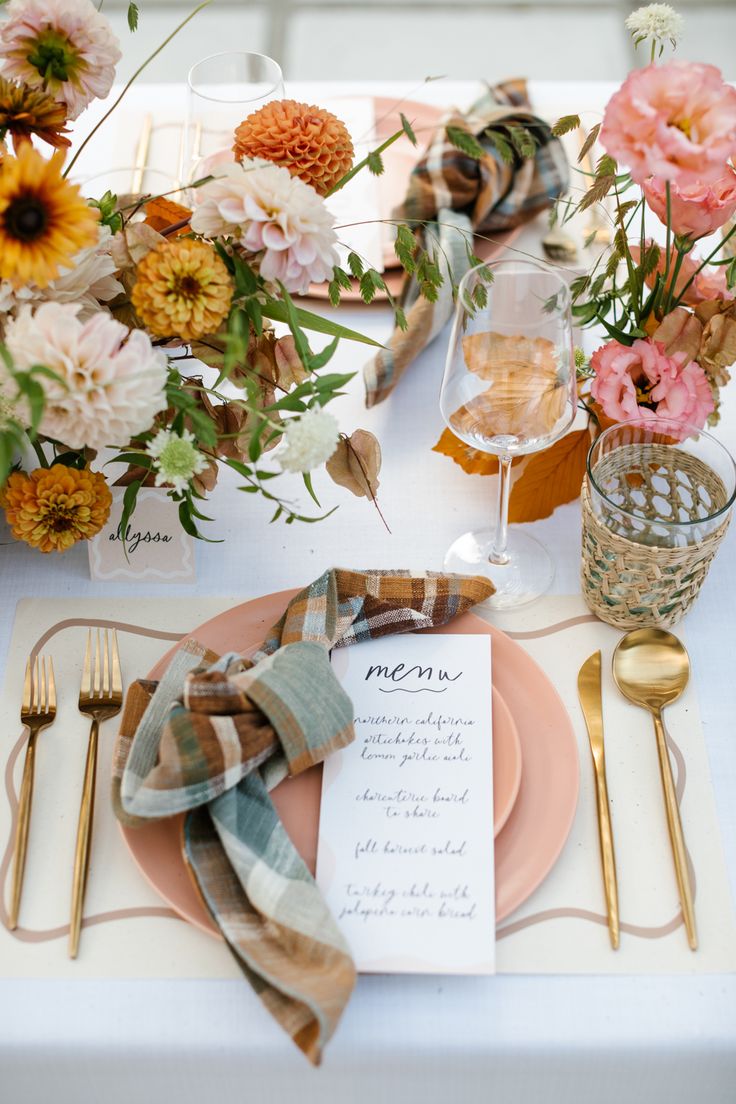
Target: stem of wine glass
[[498, 550]]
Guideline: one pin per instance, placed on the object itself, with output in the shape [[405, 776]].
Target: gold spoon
[[651, 669]]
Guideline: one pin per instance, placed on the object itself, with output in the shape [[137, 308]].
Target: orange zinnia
[[182, 290], [53, 508]]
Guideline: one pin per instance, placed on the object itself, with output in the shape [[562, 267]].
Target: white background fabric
[[415, 1039]]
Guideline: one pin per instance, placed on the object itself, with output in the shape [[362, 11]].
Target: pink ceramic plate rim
[[539, 822]]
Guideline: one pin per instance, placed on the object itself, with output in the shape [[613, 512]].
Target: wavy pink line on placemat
[[27, 935]]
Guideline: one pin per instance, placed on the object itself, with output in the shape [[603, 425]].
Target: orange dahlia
[[53, 508], [182, 289], [310, 142]]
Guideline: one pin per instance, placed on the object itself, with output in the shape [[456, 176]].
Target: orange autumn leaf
[[162, 213], [550, 478], [471, 460]]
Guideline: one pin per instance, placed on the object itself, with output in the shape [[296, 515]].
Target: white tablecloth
[[416, 1039]]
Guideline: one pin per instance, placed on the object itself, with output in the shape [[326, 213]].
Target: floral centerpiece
[[667, 307], [104, 300]]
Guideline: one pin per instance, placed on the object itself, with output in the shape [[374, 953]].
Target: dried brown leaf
[[718, 348], [355, 464], [680, 332]]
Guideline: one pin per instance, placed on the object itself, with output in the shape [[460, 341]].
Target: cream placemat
[[130, 932]]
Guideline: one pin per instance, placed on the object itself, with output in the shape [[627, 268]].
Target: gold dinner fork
[[37, 712], [100, 697]]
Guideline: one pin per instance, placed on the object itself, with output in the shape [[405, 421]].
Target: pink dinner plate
[[398, 161], [538, 782]]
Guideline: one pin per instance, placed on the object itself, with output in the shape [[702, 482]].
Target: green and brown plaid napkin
[[212, 739], [454, 196]]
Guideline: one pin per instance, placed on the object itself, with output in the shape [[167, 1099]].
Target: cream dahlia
[[65, 47], [111, 380], [272, 213]]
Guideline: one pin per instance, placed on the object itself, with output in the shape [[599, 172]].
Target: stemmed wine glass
[[509, 390], [222, 90]]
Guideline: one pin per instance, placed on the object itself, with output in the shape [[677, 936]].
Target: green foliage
[[408, 129], [109, 215], [373, 159], [589, 142], [565, 124], [465, 141], [502, 146], [133, 16], [731, 274], [355, 265], [522, 140], [405, 248], [374, 162]]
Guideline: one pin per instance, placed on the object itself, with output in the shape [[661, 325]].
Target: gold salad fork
[[37, 712], [100, 697]]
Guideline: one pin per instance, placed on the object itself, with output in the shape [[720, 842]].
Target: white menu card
[[405, 854]]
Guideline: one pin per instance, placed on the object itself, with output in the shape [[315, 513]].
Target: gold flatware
[[589, 693], [651, 669], [141, 155], [37, 712], [100, 697]]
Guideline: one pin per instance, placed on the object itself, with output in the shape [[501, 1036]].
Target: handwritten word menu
[[405, 856]]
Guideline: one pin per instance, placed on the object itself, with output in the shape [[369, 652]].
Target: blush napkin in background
[[214, 740], [455, 196]]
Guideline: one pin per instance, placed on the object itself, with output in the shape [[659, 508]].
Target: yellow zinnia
[[182, 289], [53, 508], [44, 221]]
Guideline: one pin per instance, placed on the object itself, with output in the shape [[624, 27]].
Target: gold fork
[[37, 712], [100, 697]]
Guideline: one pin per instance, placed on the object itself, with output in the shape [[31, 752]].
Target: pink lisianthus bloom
[[697, 209], [675, 121], [642, 382], [710, 283]]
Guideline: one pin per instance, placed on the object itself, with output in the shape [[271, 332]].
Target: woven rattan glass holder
[[655, 511]]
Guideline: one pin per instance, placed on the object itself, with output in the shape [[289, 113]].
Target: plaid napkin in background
[[456, 196], [214, 739]]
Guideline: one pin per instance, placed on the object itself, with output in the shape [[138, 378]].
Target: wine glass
[[509, 389], [222, 90]]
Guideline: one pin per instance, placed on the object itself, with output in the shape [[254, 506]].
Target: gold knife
[[589, 692]]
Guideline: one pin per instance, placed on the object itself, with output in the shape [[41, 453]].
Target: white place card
[[158, 549], [405, 855]]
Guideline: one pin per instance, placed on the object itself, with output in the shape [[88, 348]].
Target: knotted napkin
[[453, 196], [214, 739]]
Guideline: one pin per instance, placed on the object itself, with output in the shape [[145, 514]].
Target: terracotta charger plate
[[527, 714], [398, 161]]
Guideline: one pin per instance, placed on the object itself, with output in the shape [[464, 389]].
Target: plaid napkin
[[213, 738], [455, 195]]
